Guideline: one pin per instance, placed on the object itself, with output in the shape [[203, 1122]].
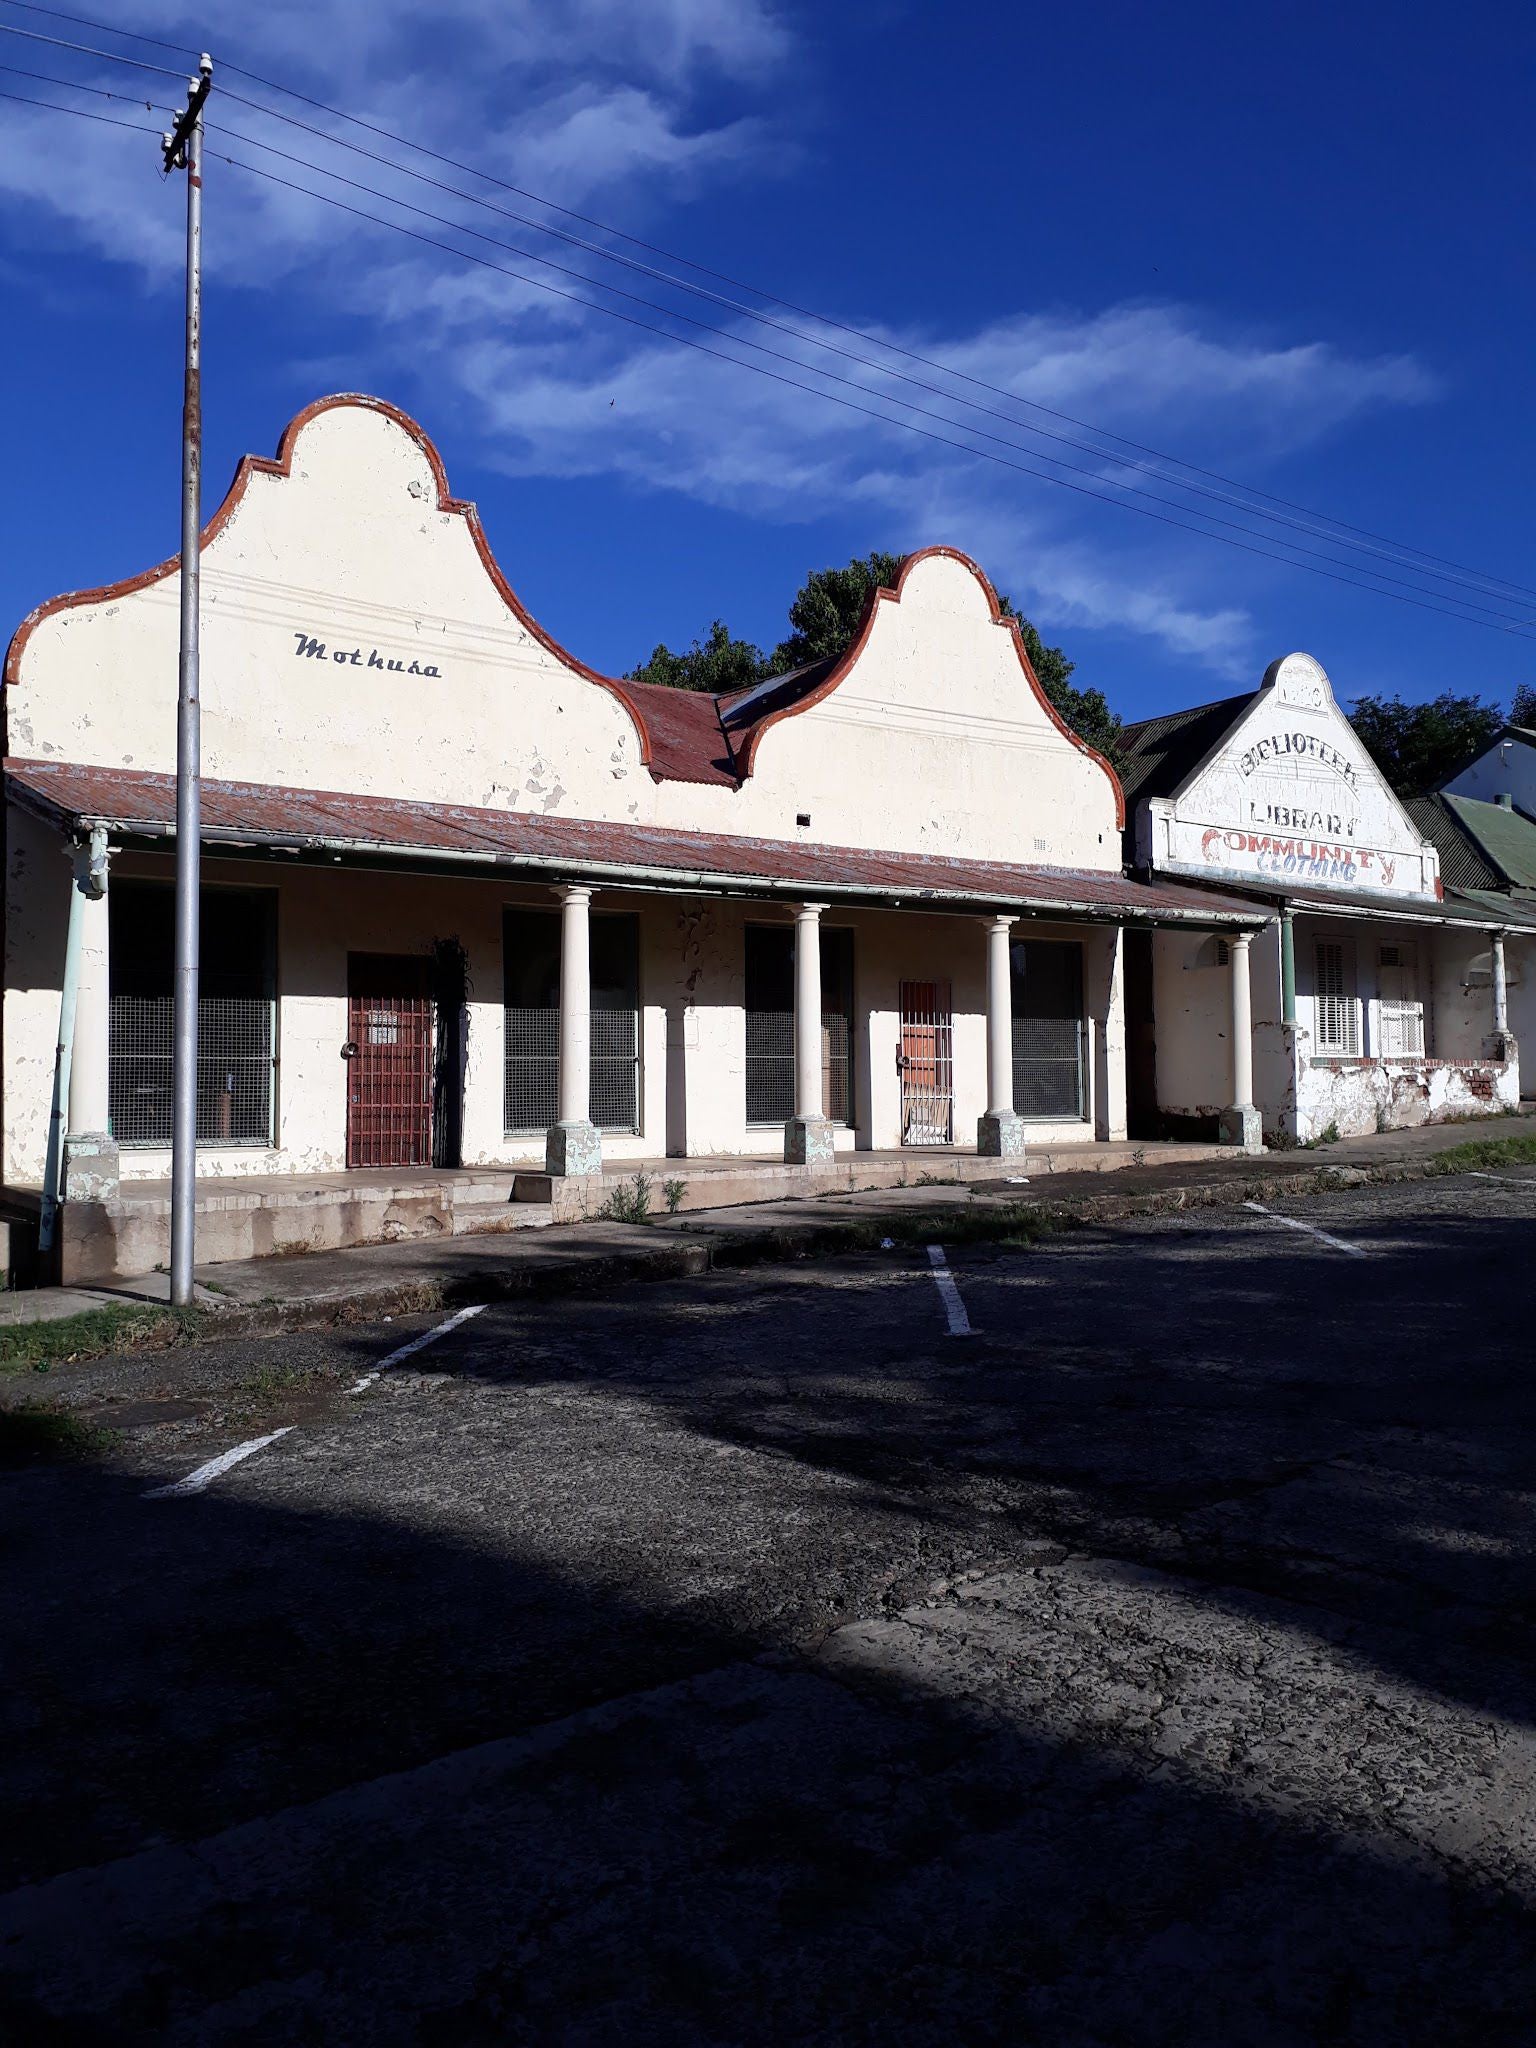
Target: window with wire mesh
[[236, 1015], [1050, 1031], [531, 966], [770, 994], [1337, 1030]]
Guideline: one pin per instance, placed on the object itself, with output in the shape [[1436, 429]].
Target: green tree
[[1416, 746], [717, 663], [1523, 710], [828, 607]]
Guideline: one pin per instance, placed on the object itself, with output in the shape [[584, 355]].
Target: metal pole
[[1287, 966], [186, 146]]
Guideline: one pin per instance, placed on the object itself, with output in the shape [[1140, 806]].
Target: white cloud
[[623, 106]]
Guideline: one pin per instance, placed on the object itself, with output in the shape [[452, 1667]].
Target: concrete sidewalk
[[374, 1280]]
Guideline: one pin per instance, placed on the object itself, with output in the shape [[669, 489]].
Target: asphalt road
[[753, 1660]]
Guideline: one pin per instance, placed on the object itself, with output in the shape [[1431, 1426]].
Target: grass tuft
[[1483, 1153], [38, 1347]]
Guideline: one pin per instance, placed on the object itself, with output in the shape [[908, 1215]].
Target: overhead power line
[[815, 369], [1332, 532], [832, 398], [80, 113]]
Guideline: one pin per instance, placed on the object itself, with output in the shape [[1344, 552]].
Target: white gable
[[355, 636], [1290, 795], [930, 736]]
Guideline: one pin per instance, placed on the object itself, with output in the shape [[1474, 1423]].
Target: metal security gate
[[926, 1061], [389, 1060]]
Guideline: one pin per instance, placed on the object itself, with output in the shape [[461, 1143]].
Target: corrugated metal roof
[[1463, 864], [137, 804], [1505, 837], [688, 742], [1160, 752], [1457, 906]]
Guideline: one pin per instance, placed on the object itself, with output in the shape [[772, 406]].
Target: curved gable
[[357, 631], [930, 732]]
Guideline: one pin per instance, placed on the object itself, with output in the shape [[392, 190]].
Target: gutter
[[705, 882]]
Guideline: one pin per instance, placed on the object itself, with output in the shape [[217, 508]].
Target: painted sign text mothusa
[[315, 650]]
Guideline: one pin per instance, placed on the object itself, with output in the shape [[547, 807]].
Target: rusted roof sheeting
[[256, 814]]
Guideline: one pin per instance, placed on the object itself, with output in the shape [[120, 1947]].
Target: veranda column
[[1500, 988], [808, 1135], [1241, 1124], [999, 1133], [90, 1155], [572, 1145]]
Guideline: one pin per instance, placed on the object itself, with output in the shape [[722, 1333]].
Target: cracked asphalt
[[747, 1659]]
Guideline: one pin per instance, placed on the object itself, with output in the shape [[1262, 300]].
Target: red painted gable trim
[[282, 466], [850, 657]]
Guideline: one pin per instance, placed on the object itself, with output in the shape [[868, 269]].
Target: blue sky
[[1290, 244]]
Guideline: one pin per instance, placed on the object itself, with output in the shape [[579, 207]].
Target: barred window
[[236, 1015], [1050, 1031], [531, 968], [1337, 1026], [770, 1001]]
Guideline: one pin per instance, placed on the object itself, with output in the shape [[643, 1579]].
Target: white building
[[1379, 997], [470, 906]]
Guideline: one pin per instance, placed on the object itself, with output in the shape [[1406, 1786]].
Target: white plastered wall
[[1460, 1073], [354, 639], [1507, 768]]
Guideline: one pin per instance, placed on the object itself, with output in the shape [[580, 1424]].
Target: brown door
[[389, 1061], [927, 1063]]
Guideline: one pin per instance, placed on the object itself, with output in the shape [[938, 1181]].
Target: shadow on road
[[756, 1849]]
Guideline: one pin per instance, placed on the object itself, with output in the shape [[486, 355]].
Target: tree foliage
[[824, 618], [1522, 710], [1417, 746], [717, 663]]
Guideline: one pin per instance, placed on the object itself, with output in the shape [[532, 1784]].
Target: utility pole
[[184, 151]]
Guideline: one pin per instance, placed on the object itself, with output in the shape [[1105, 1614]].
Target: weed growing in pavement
[[1328, 1135], [1483, 1153], [674, 1191], [1009, 1223], [630, 1201], [38, 1347], [29, 1435], [935, 1180]]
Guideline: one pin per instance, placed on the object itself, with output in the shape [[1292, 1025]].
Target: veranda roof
[[327, 826]]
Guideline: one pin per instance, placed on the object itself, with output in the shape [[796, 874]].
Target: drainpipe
[[91, 882], [1500, 988], [1287, 966]]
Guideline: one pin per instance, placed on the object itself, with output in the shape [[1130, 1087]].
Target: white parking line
[[1356, 1251], [206, 1474], [216, 1467], [417, 1344], [954, 1307]]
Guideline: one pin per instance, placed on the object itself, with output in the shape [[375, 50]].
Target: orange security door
[[926, 1060]]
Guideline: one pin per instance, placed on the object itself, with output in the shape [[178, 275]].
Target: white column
[[999, 1134], [572, 1146], [90, 1156], [1242, 1124], [807, 1135], [1500, 987]]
